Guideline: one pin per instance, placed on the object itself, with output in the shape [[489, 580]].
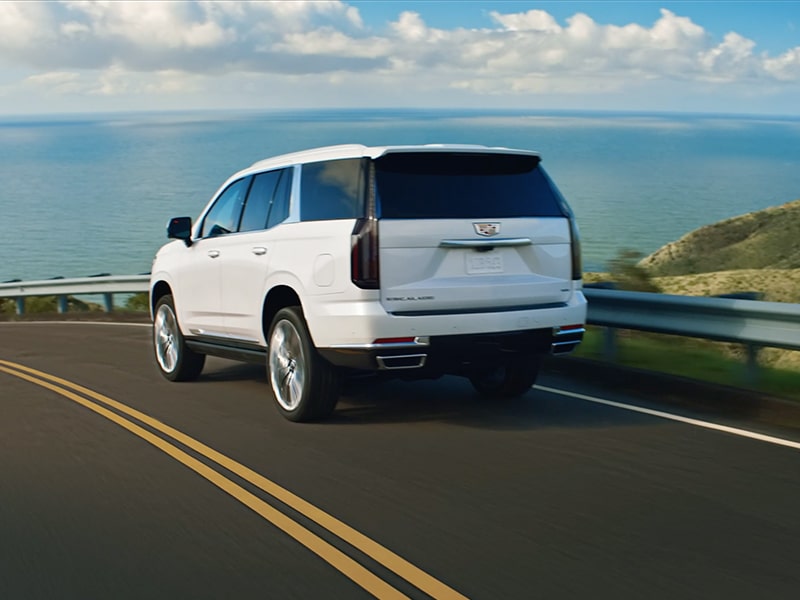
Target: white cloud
[[410, 26], [331, 42], [785, 67], [165, 25], [24, 24], [112, 82], [533, 20], [153, 36], [73, 29], [59, 81], [732, 59], [672, 32], [176, 47]]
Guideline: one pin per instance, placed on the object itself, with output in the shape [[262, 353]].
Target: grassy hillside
[[757, 252], [766, 239], [777, 285]]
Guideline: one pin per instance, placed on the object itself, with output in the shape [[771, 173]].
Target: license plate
[[481, 264]]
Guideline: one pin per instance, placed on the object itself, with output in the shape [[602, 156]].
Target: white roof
[[359, 151]]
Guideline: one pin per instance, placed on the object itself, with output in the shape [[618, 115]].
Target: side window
[[280, 201], [259, 199], [332, 190], [224, 215]]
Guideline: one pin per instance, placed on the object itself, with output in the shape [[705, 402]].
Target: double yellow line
[[373, 584]]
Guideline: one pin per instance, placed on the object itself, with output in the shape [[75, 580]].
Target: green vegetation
[[697, 359], [46, 304], [46, 308], [42, 305], [628, 274], [138, 302]]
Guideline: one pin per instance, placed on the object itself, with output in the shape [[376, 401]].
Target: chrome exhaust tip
[[403, 361]]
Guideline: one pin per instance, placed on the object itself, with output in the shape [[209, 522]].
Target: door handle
[[213, 253], [259, 250]]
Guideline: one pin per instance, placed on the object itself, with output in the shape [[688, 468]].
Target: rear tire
[[510, 380], [175, 360], [305, 386]]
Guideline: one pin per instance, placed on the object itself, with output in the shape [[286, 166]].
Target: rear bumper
[[356, 324], [453, 353]]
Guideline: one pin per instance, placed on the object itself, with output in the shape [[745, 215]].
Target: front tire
[[305, 385], [509, 380], [175, 360]]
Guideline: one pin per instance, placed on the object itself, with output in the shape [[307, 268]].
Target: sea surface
[[82, 195]]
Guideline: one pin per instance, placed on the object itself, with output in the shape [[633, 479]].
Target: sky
[[712, 57]]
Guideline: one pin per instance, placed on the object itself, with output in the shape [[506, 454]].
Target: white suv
[[411, 261]]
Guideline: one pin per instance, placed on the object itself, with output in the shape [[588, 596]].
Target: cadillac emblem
[[486, 229]]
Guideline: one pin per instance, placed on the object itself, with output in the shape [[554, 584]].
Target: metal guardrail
[[749, 322], [770, 324], [104, 285], [753, 323]]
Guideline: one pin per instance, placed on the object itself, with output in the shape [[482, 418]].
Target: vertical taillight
[[575, 250], [364, 254], [364, 271], [574, 236]]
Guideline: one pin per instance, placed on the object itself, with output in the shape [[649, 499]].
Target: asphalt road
[[415, 489]]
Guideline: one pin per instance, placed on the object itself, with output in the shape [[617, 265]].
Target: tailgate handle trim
[[484, 243]]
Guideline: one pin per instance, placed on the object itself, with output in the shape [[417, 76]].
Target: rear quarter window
[[332, 189], [429, 185]]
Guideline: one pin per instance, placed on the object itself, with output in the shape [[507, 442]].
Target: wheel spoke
[[167, 351], [172, 355], [283, 358], [286, 365], [296, 389], [286, 388]]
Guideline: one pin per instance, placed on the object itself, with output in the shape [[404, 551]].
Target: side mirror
[[180, 228]]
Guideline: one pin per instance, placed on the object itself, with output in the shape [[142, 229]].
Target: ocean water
[[81, 195]]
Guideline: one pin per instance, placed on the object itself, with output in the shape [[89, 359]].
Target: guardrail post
[[610, 347], [752, 373], [108, 302], [62, 304]]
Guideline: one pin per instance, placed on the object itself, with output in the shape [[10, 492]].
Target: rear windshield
[[464, 186]]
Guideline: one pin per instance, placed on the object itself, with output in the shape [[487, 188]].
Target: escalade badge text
[[486, 229]]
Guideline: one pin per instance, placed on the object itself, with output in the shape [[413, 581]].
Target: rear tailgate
[[470, 232], [430, 266]]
